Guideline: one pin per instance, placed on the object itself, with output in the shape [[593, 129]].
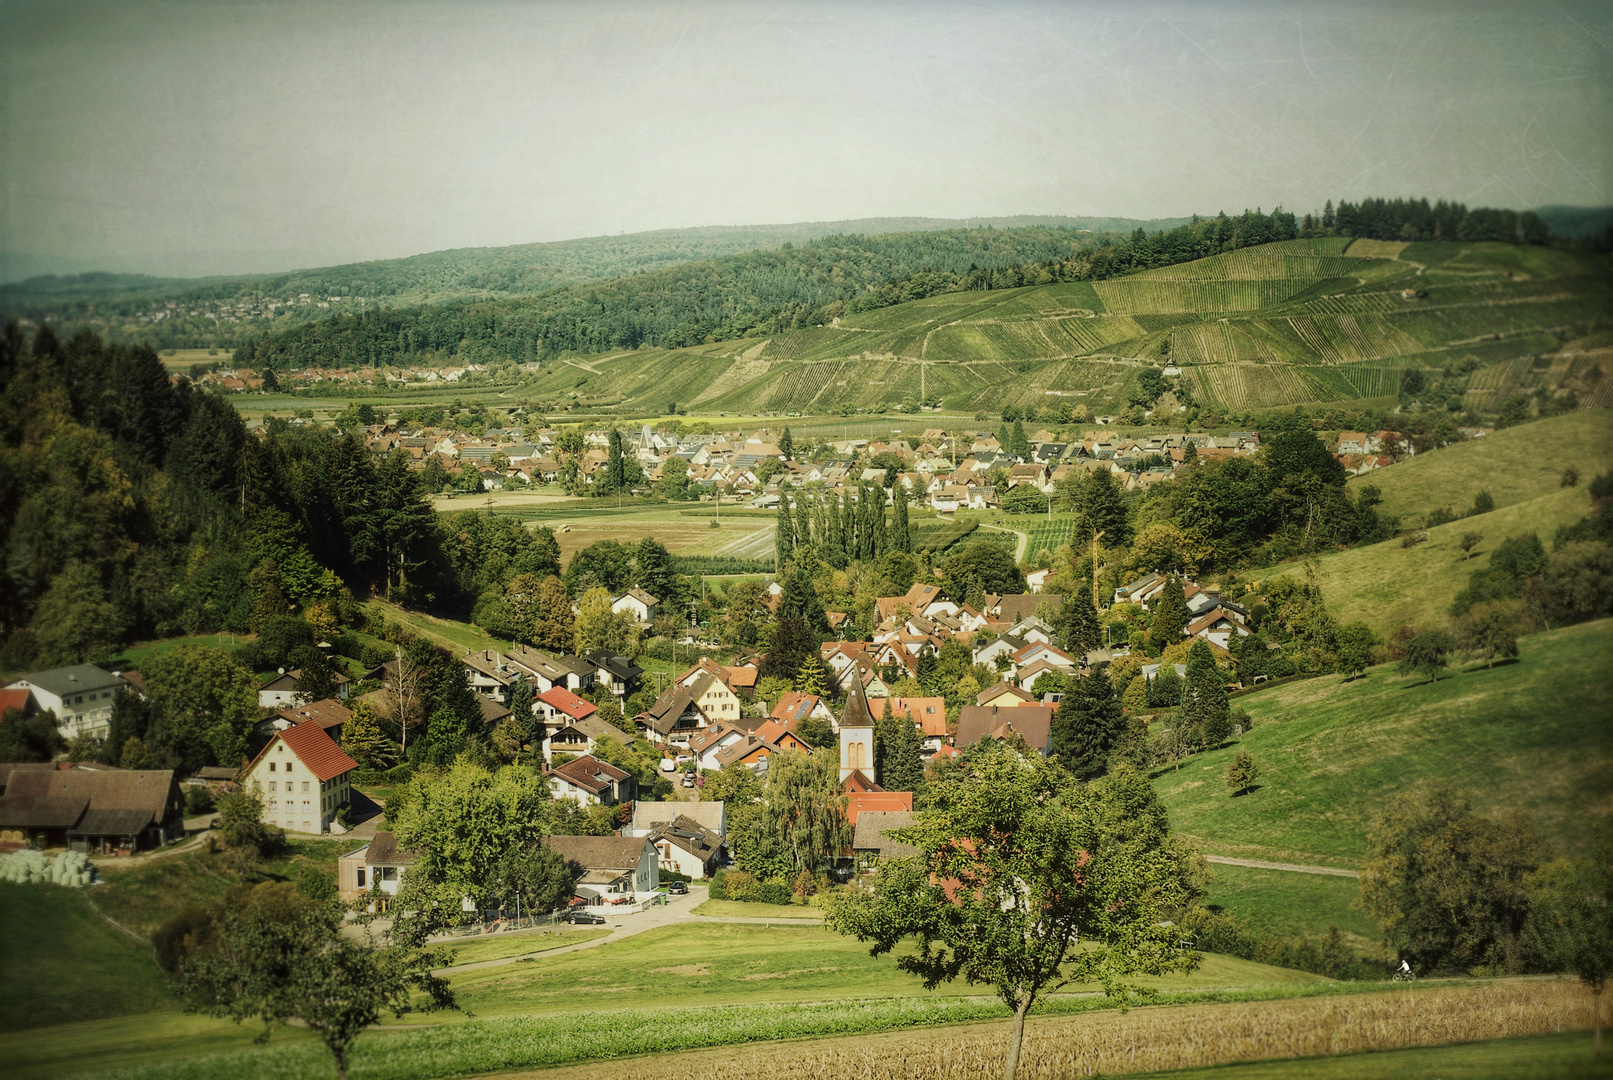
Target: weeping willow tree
[[803, 825]]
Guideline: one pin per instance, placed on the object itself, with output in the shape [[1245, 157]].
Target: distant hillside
[[1303, 322], [179, 313]]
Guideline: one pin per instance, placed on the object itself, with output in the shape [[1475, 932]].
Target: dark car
[[677, 888], [585, 918]]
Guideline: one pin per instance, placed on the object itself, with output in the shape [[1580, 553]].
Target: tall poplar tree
[[901, 535], [784, 541]]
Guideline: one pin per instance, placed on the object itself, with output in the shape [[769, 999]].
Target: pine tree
[[1327, 215], [786, 444], [898, 757], [1088, 726], [1077, 623], [1242, 773], [1204, 698], [811, 675], [1170, 615], [1019, 446]]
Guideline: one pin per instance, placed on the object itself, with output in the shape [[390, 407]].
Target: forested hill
[[752, 294], [218, 311]]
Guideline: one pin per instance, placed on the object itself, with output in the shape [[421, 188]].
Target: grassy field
[[1287, 904], [1331, 754], [1514, 465], [1388, 585], [451, 634], [63, 962], [521, 943]]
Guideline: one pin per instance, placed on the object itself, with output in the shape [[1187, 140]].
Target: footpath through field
[[1294, 868], [1021, 548]]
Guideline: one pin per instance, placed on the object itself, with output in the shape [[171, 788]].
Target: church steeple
[[857, 738]]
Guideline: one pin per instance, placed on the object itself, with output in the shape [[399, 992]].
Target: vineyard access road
[[1022, 548]]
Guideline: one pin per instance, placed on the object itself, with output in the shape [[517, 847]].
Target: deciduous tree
[[1024, 881], [1571, 921]]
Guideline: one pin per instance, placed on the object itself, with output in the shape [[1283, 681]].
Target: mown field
[[1287, 904], [1530, 735]]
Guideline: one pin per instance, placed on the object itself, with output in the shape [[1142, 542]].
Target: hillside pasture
[[1514, 465], [1388, 586], [1332, 753]]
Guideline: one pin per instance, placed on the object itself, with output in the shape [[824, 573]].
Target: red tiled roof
[[327, 714], [857, 802], [567, 702], [14, 699], [315, 749]]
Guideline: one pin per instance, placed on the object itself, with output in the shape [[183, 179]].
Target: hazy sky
[[213, 137]]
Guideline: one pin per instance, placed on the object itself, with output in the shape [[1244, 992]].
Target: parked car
[[688, 779], [677, 888], [584, 918]]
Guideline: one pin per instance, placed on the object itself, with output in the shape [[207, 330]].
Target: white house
[[283, 689], [637, 603], [81, 697], [590, 782], [302, 777], [615, 869], [687, 847]]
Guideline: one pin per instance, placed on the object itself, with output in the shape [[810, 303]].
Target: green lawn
[[1513, 465], [520, 943], [739, 963], [62, 962], [452, 635], [1532, 735], [1287, 904], [746, 909], [1387, 585], [1541, 1057]]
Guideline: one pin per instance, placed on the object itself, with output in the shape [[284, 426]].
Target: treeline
[[1416, 219], [134, 507]]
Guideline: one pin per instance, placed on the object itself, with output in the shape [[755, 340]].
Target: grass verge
[[732, 909], [521, 943], [1283, 903]]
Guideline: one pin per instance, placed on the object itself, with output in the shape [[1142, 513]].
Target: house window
[[361, 877], [272, 785], [274, 805], [305, 787], [271, 766]]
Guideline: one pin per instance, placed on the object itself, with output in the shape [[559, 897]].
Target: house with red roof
[[591, 782], [776, 733], [794, 707], [559, 707], [303, 778]]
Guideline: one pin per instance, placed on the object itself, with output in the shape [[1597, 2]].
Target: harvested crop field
[[1144, 1040]]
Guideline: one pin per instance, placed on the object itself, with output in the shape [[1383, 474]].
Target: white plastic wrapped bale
[[70, 868]]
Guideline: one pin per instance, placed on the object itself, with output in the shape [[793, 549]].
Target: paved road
[[676, 913], [1296, 868]]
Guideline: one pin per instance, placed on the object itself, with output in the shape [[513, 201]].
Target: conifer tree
[[786, 444], [1019, 446], [1204, 698], [1088, 726], [1170, 615]]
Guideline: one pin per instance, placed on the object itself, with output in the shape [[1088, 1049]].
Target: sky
[[195, 138]]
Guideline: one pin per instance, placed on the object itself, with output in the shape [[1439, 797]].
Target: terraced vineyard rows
[[1302, 304]]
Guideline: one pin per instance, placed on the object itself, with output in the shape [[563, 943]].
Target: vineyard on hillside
[[1300, 322]]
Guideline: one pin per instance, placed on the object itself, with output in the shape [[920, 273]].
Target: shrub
[[772, 892]]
